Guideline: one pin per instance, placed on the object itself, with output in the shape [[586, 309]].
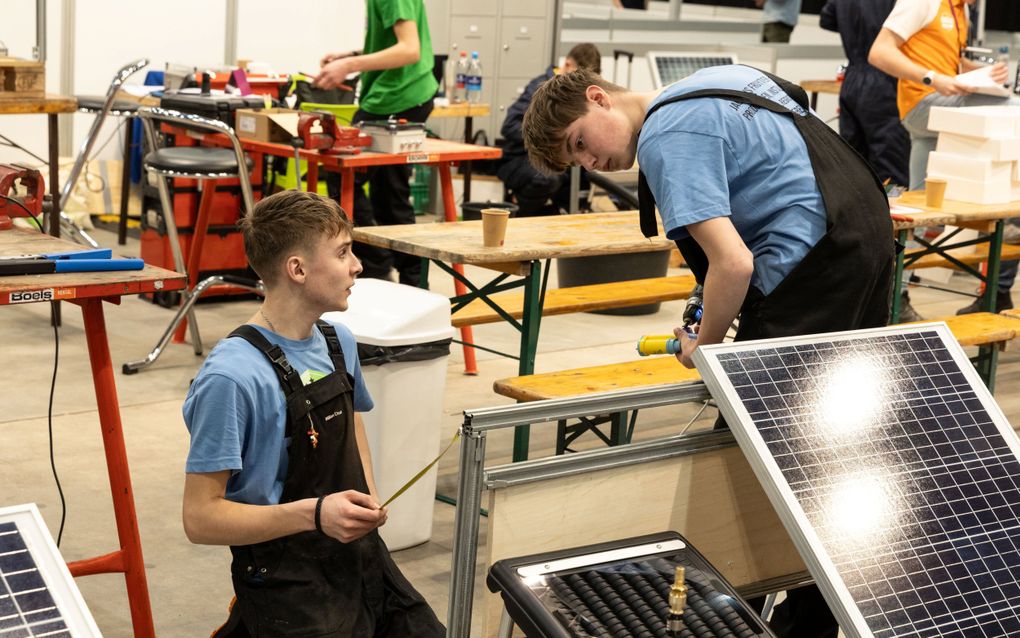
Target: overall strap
[[336, 352], [289, 377]]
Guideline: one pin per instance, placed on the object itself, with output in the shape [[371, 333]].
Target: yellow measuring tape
[[422, 472]]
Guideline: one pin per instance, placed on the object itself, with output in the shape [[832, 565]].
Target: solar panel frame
[[770, 474], [655, 57], [51, 568]]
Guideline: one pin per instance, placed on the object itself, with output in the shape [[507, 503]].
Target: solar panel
[[893, 470], [669, 66], [37, 595]]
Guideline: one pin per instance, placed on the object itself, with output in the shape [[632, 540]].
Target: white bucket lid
[[384, 313]]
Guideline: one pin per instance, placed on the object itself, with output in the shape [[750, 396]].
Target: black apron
[[845, 280], [310, 584]]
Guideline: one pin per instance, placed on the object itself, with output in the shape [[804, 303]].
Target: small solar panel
[[37, 594], [669, 66], [893, 470]]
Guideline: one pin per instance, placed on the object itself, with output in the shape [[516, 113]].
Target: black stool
[[205, 164]]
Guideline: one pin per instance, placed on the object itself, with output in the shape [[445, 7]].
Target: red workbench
[[90, 290]]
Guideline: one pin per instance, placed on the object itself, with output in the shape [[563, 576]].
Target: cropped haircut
[[586, 55], [555, 105], [285, 222]]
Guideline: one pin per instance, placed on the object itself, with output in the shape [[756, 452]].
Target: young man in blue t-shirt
[[779, 219], [279, 466]]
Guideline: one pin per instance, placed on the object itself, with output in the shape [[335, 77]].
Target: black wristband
[[318, 514]]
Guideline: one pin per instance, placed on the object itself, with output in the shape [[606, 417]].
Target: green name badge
[[311, 376]]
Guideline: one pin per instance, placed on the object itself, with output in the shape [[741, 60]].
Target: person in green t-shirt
[[396, 79]]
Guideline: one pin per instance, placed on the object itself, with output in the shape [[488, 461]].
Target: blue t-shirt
[[710, 157], [237, 415]]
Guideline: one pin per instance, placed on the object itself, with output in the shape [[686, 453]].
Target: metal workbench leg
[[992, 277], [465, 534], [532, 314]]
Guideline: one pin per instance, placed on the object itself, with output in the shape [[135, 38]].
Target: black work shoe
[[907, 312], [1003, 301]]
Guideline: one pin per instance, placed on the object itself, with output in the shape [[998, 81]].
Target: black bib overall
[[310, 584], [843, 283]]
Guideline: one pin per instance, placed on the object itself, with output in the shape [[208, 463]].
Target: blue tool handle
[[97, 265], [97, 253]]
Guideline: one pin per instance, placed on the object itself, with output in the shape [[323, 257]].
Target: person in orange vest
[[922, 43]]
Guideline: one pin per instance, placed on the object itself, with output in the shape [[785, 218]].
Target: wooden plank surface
[[963, 211], [562, 301], [49, 104], [55, 286], [923, 218], [642, 373], [461, 109], [970, 255], [821, 86], [977, 329], [527, 238]]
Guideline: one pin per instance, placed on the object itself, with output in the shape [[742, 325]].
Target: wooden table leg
[[129, 558], [450, 210]]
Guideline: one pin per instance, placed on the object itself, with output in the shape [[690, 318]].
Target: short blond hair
[[286, 221], [555, 106]]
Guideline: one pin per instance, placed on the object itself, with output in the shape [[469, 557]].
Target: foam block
[[991, 122], [975, 192], [972, 168], [1003, 150]]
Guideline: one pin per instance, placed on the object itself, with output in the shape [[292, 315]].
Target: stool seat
[[94, 104], [196, 160]]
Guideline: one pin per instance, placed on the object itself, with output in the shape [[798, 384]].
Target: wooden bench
[[982, 329], [970, 255], [561, 301]]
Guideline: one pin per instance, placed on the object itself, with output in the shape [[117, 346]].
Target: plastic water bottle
[[460, 85], [474, 79], [1004, 58]]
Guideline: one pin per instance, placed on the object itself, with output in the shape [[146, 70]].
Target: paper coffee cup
[[934, 192], [494, 222]]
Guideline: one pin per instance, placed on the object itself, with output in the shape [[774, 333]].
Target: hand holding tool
[[668, 344]]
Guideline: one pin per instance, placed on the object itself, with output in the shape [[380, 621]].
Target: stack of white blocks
[[978, 153]]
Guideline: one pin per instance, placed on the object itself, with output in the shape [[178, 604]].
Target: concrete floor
[[189, 585]]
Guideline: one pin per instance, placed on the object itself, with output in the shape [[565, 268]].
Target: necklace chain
[[270, 323]]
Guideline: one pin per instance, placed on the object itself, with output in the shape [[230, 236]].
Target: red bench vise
[[32, 200], [329, 137]]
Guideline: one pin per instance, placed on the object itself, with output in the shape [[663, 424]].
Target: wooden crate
[[22, 78]]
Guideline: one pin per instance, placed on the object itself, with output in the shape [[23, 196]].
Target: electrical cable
[[9, 142], [49, 429], [25, 208]]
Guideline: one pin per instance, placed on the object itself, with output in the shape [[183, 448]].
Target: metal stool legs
[[187, 308]]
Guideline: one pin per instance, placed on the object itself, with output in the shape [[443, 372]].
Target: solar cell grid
[[669, 67], [26, 606], [906, 481]]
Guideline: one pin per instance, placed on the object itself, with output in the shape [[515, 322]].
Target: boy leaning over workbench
[[279, 467], [784, 224]]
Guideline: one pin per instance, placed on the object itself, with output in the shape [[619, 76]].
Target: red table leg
[[129, 558], [194, 259], [450, 210], [347, 191], [312, 176]]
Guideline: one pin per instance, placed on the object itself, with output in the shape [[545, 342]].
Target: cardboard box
[[975, 192], [971, 168], [267, 125]]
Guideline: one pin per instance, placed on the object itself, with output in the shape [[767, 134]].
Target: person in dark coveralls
[[533, 189], [776, 215], [279, 467], [868, 116]]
